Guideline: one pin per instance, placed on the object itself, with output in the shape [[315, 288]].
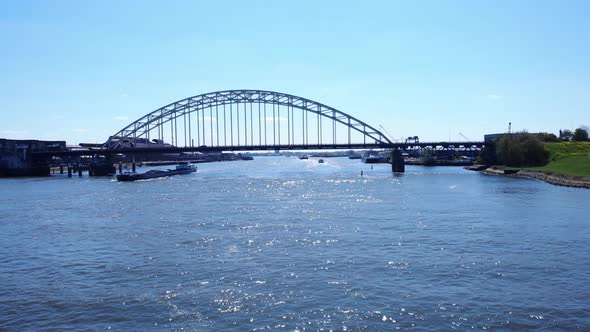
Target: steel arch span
[[246, 118]]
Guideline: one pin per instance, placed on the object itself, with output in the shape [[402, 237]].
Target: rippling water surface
[[285, 244]]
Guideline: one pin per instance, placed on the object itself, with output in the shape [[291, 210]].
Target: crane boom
[[385, 130], [468, 140]]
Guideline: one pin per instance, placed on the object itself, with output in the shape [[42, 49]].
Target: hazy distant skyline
[[82, 70]]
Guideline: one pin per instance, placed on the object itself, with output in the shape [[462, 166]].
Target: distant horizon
[[393, 139], [19, 136]]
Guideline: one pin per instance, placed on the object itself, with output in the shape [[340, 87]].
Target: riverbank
[[567, 158], [552, 178]]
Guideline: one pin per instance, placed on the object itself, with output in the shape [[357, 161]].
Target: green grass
[[568, 158], [568, 149]]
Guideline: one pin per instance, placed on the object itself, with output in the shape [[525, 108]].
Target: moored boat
[[373, 159], [156, 173]]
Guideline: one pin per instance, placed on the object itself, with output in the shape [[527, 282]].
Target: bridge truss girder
[[152, 125]]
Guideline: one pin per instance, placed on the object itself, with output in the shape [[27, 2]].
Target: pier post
[[69, 171], [61, 169], [120, 168], [397, 162], [79, 170]]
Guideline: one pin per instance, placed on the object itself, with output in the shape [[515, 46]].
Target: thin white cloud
[[494, 97], [13, 132], [80, 130], [120, 118]]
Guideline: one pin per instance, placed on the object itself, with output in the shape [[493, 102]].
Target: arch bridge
[[235, 120], [247, 120]]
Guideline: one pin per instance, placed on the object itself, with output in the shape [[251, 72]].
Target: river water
[[285, 244]]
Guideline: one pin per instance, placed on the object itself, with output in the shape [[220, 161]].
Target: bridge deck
[[205, 149]]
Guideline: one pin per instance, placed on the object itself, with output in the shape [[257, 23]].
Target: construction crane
[[468, 140], [388, 134]]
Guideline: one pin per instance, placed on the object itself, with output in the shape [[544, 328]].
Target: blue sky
[[82, 70]]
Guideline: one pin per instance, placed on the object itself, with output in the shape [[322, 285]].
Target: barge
[[156, 173]]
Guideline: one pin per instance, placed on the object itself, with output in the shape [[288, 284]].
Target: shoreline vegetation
[[551, 178], [568, 165]]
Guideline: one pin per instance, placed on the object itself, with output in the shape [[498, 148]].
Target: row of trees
[[516, 150], [527, 150], [579, 135], [521, 150]]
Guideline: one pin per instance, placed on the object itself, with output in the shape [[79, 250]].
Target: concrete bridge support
[[101, 166], [397, 161]]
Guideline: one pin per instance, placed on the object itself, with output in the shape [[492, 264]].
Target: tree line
[[566, 135], [579, 135], [523, 149]]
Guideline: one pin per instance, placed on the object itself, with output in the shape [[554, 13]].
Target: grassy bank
[[567, 158]]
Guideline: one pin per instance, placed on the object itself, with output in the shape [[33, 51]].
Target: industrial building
[[16, 158]]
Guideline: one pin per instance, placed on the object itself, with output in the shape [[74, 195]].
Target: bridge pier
[[102, 166], [397, 161]]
